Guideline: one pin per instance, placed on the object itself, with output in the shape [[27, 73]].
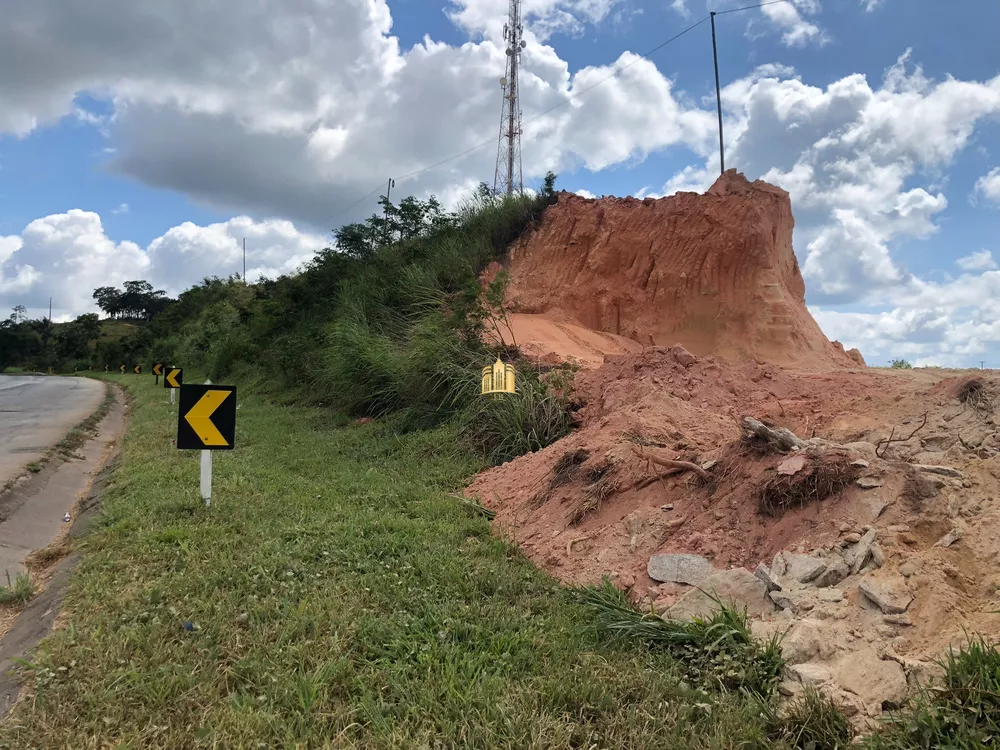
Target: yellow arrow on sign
[[157, 369], [200, 417], [122, 368], [171, 378]]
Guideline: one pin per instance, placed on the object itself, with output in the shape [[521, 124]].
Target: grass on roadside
[[335, 596], [18, 591]]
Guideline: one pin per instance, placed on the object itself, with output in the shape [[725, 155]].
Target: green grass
[[337, 597], [960, 710], [18, 591]]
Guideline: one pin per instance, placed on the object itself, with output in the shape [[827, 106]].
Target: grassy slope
[[340, 599]]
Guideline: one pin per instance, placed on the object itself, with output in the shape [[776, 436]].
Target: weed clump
[[19, 591], [810, 722], [718, 653], [962, 711]]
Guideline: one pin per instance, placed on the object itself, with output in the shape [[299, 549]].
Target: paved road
[[36, 412]]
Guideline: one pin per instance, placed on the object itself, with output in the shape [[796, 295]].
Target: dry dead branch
[[883, 445], [672, 464], [780, 437]]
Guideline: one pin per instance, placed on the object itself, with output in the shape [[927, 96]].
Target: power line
[[752, 7]]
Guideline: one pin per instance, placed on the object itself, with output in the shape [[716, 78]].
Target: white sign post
[[206, 468], [172, 396]]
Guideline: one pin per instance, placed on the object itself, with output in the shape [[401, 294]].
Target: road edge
[[79, 434], [35, 622]]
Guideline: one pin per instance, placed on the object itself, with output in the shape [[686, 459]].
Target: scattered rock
[[868, 483], [830, 595], [903, 620], [890, 597], [858, 556], [876, 681], [689, 569], [737, 587], [860, 464], [783, 600], [803, 568], [878, 556], [951, 537], [852, 538], [778, 565], [682, 356], [945, 471], [804, 641], [769, 580], [810, 674], [668, 506], [835, 572]]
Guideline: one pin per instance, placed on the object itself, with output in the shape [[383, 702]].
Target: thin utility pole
[[718, 96], [50, 309], [385, 231], [244, 260]]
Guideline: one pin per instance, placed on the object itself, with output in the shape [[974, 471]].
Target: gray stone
[[803, 641], [810, 674], [878, 556], [737, 588], [835, 572], [830, 595], [903, 620], [945, 471], [783, 600], [908, 569], [852, 538], [860, 464], [778, 565], [950, 538], [689, 569], [859, 555], [803, 568], [868, 483], [889, 596], [769, 580]]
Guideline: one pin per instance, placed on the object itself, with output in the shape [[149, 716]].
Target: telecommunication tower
[[507, 178]]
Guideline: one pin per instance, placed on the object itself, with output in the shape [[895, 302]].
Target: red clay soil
[[715, 273], [690, 407]]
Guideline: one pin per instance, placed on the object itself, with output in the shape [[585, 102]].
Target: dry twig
[[884, 444]]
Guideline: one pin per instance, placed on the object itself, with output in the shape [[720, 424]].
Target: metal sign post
[[206, 421]]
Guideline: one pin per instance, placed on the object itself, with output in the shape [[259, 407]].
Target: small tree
[[901, 364], [549, 185]]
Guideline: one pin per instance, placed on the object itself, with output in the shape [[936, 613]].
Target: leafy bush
[[901, 364]]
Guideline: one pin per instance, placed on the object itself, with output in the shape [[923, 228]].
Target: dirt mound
[[715, 273], [880, 524]]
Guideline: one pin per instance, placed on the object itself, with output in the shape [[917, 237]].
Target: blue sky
[[154, 152]]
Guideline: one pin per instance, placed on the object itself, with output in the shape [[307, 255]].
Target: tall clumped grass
[[959, 710], [391, 322]]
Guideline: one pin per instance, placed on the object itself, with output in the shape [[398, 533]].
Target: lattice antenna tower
[[507, 178]]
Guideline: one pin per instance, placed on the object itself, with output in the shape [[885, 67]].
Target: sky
[[142, 139]]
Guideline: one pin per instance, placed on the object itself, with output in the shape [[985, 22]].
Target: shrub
[[901, 364]]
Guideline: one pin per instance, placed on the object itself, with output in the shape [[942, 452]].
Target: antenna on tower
[[507, 178]]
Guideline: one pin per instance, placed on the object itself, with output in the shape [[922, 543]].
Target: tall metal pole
[[385, 216], [718, 97], [244, 260], [508, 175]]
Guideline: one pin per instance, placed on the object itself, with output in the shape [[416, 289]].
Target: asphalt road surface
[[36, 412]]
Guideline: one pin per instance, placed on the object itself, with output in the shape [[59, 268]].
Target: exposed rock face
[[715, 273]]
